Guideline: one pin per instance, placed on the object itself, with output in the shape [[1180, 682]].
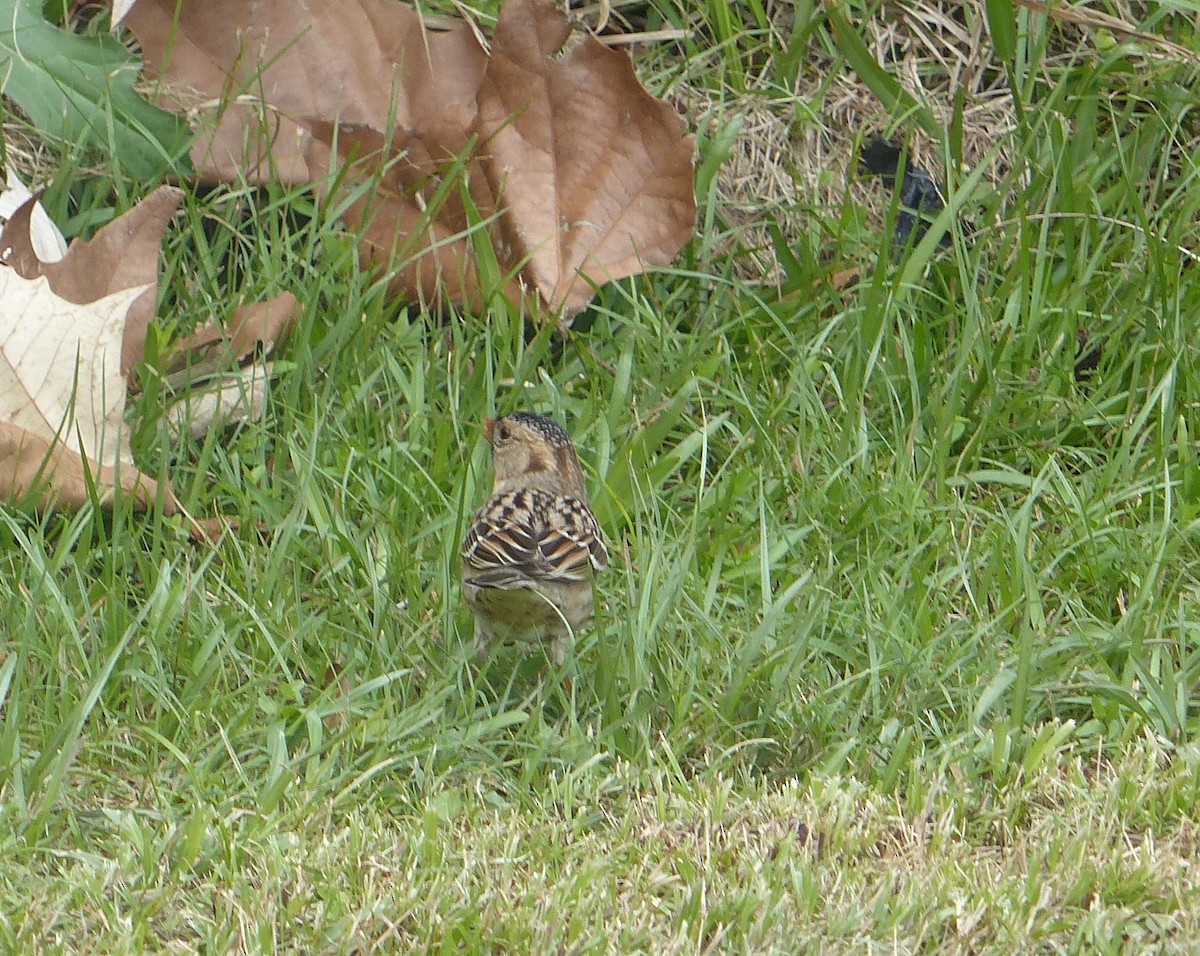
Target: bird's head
[[530, 450]]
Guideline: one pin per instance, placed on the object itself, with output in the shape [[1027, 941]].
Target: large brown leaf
[[595, 175], [594, 172], [399, 220], [338, 61]]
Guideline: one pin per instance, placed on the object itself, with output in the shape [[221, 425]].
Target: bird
[[533, 548]]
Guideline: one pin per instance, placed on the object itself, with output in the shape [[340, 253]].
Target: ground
[[896, 651]]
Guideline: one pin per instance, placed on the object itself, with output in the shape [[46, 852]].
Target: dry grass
[[650, 863], [796, 157]]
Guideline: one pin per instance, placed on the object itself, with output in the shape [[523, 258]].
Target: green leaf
[[80, 89], [1002, 24]]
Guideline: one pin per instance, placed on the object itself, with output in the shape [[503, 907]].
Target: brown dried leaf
[[122, 255], [256, 329], [210, 531], [220, 370], [399, 222], [341, 61], [333, 73], [595, 173], [40, 474]]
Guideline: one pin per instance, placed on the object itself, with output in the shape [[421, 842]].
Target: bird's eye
[[503, 433]]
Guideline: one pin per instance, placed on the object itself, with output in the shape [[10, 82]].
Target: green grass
[[897, 651]]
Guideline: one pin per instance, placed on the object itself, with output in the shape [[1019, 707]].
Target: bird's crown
[[549, 429]]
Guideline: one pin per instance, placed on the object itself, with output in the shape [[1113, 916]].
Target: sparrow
[[532, 550]]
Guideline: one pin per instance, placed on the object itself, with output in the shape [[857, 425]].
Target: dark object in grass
[[920, 198], [1087, 356]]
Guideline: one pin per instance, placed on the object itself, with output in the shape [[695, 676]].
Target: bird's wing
[[521, 537], [571, 539]]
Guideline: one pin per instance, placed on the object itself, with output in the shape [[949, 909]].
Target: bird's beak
[[488, 425]]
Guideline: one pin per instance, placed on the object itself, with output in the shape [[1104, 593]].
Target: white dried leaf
[[240, 395], [48, 243], [119, 9], [60, 367]]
